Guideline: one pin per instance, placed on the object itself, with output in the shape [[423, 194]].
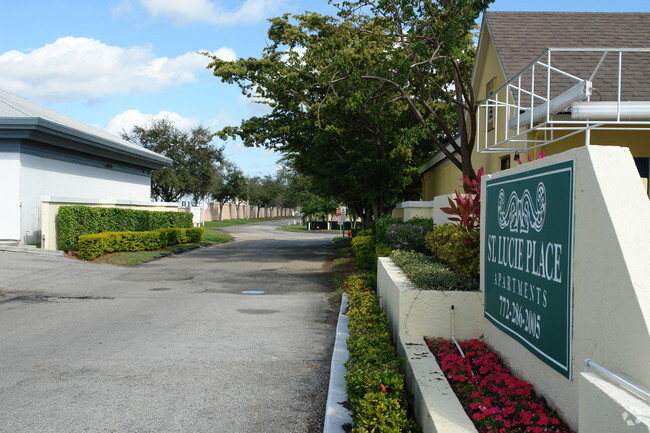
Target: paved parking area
[[232, 338]]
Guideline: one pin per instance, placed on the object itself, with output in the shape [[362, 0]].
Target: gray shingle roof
[[522, 36], [16, 110]]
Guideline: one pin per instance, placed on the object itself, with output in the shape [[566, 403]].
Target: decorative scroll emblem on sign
[[520, 214]]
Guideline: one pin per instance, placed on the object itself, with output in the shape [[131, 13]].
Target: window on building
[[505, 162], [489, 89]]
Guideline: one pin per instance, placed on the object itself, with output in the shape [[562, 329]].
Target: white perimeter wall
[[47, 177], [611, 285], [9, 196]]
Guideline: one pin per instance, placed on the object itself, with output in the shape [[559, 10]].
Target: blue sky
[[116, 63]]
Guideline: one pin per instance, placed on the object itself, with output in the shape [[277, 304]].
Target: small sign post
[[341, 213], [528, 259]]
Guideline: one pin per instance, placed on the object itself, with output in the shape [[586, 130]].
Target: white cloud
[[211, 12], [126, 120], [225, 53], [251, 160], [123, 7], [74, 68]]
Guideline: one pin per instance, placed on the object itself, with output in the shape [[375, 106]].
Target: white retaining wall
[[411, 311]]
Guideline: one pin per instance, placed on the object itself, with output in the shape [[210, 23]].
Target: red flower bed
[[495, 400]]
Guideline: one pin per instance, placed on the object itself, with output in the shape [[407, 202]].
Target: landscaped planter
[[411, 311]]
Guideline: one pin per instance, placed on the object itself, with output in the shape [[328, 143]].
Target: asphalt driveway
[[232, 338]]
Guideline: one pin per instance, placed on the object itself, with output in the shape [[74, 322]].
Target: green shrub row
[[375, 384], [429, 274], [74, 221], [95, 245], [454, 245]]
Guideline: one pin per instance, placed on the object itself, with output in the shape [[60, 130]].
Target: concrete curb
[[436, 407], [28, 249], [336, 415]]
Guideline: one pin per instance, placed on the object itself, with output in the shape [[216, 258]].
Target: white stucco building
[[44, 154]]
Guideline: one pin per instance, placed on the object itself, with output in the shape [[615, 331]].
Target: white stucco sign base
[[610, 311]]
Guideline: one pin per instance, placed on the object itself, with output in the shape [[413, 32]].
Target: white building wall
[[47, 177], [9, 196]]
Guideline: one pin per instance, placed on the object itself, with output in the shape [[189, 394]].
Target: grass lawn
[[227, 223], [301, 228], [210, 236], [294, 228], [137, 257], [343, 265]]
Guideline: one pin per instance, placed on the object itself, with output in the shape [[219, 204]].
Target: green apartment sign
[[528, 255]]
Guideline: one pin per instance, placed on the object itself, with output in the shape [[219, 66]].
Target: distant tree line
[[200, 171]]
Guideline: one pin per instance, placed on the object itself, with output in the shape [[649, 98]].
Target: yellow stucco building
[[552, 81]]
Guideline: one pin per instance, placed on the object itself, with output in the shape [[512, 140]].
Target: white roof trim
[[16, 110]]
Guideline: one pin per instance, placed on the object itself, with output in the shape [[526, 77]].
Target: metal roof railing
[[544, 103]]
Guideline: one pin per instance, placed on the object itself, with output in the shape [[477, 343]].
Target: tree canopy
[[430, 54], [361, 150], [361, 100], [192, 172]]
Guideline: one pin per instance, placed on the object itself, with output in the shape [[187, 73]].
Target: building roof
[[520, 37], [36, 122]]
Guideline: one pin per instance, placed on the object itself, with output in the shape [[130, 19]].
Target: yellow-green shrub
[[455, 246], [95, 245], [363, 248], [375, 385]]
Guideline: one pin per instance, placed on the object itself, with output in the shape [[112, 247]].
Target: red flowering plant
[[466, 208], [496, 401]]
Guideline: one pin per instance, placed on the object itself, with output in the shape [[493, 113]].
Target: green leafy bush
[[73, 221], [428, 274], [398, 234], [363, 248], [375, 384], [407, 237], [455, 246], [382, 250], [95, 245], [381, 227]]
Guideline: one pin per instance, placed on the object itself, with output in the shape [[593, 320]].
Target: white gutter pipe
[[556, 105], [618, 379], [609, 110]]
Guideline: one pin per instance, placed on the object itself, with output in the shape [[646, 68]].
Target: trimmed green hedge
[[73, 221], [365, 257], [375, 384], [428, 274], [95, 245]]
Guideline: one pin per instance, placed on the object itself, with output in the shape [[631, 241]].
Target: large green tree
[[340, 129], [429, 52], [192, 172]]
